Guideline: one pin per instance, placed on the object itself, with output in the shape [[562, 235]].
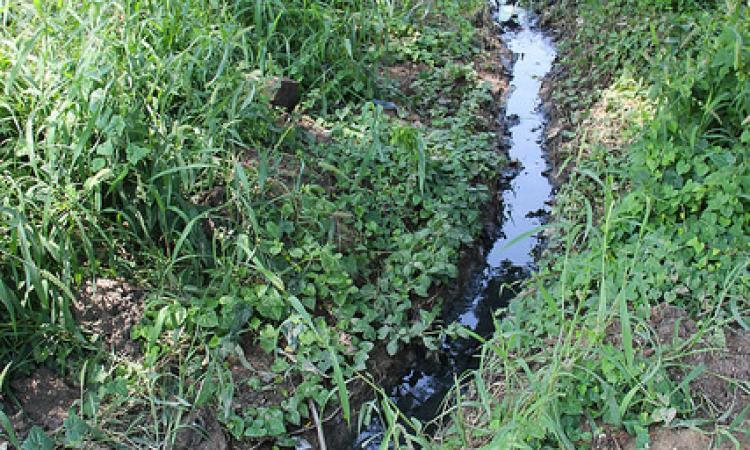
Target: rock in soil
[[286, 93]]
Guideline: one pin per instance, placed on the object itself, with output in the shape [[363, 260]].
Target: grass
[[137, 143], [652, 214]]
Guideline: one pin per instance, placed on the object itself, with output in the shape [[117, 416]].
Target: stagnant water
[[509, 260]]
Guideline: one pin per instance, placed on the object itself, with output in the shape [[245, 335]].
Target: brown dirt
[[257, 364], [725, 369], [727, 364], [492, 64], [404, 74], [671, 324], [718, 390], [662, 438], [683, 439], [108, 310], [200, 431], [44, 399], [313, 129]]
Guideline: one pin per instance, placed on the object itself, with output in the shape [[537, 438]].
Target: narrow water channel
[[509, 260]]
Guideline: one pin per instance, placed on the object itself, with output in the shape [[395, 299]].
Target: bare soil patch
[[724, 386], [108, 309], [257, 366], [201, 431], [684, 439], [404, 75], [44, 399], [719, 388], [494, 63], [661, 438]]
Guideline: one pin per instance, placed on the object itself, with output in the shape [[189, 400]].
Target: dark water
[[509, 260]]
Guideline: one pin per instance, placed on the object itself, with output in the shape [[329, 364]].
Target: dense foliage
[[657, 216], [137, 143]]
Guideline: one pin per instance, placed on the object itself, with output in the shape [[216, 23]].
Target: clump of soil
[[44, 399], [200, 431], [671, 323], [108, 309]]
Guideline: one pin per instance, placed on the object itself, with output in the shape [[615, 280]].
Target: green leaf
[[75, 430], [268, 338], [642, 438], [105, 149], [392, 347], [135, 153], [37, 440], [98, 164], [683, 167], [94, 180], [207, 319], [626, 330], [270, 276], [155, 330], [338, 374], [7, 427]]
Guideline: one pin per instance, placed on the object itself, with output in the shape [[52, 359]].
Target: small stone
[[287, 93]]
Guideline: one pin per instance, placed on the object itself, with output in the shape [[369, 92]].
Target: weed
[[137, 142], [659, 219]]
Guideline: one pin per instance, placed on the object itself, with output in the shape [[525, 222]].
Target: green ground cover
[[138, 145], [644, 290]]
